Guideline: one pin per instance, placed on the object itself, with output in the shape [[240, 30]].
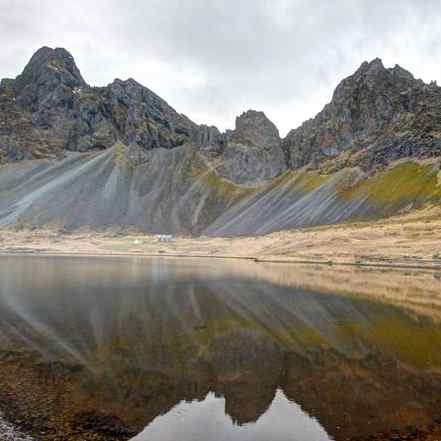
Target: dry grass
[[412, 239]]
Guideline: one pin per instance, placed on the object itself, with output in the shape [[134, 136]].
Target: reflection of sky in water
[[206, 420], [160, 270]]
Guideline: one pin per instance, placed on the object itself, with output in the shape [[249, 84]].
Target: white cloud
[[213, 59]]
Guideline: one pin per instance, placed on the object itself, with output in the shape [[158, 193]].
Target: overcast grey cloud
[[214, 59]]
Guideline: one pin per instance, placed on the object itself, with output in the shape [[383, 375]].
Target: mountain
[[49, 109], [377, 115], [76, 155]]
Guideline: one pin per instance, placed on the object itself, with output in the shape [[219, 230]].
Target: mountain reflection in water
[[232, 349]]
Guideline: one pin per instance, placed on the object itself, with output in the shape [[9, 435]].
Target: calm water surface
[[230, 350]]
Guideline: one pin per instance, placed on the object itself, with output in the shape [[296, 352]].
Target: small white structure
[[164, 238]]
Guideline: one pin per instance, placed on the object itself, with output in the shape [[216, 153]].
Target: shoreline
[[407, 241], [9, 432], [423, 265], [34, 407]]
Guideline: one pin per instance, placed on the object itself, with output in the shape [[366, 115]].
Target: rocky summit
[[250, 153], [74, 155], [376, 115], [49, 109]]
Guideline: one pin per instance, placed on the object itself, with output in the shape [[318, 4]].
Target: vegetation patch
[[407, 183], [208, 178], [299, 181], [310, 181], [121, 157]]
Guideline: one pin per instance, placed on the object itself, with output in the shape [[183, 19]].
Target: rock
[[49, 108], [256, 130], [252, 153], [9, 433], [144, 118], [36, 107], [212, 142], [49, 79], [376, 115], [380, 114]]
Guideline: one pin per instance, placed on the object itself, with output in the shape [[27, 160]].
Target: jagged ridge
[[377, 115], [161, 172]]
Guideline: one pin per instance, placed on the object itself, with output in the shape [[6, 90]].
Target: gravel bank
[[8, 433]]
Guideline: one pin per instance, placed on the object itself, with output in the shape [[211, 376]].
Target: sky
[[214, 59]]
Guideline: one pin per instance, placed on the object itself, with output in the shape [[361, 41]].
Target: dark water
[[224, 350]]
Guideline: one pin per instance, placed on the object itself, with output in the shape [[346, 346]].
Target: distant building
[[164, 237]]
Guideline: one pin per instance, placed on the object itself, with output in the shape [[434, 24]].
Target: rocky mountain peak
[[367, 76], [369, 69], [130, 89], [385, 108], [49, 67], [399, 72], [255, 129], [130, 83], [50, 108], [252, 152], [374, 77]]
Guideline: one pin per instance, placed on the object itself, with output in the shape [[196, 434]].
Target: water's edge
[[421, 265], [10, 433]]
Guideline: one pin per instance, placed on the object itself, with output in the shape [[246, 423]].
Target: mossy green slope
[[303, 199], [406, 183]]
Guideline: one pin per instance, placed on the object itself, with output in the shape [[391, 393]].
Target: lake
[[184, 349]]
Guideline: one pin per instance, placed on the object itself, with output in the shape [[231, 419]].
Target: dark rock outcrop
[[49, 108], [47, 82], [256, 130], [376, 115], [253, 151], [37, 108]]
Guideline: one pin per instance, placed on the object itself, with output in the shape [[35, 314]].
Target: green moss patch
[[222, 188], [404, 184], [121, 158], [303, 181]]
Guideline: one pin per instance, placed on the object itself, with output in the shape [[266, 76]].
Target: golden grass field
[[412, 239]]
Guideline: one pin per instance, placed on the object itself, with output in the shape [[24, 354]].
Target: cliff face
[[49, 108], [251, 153], [375, 116], [120, 155]]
